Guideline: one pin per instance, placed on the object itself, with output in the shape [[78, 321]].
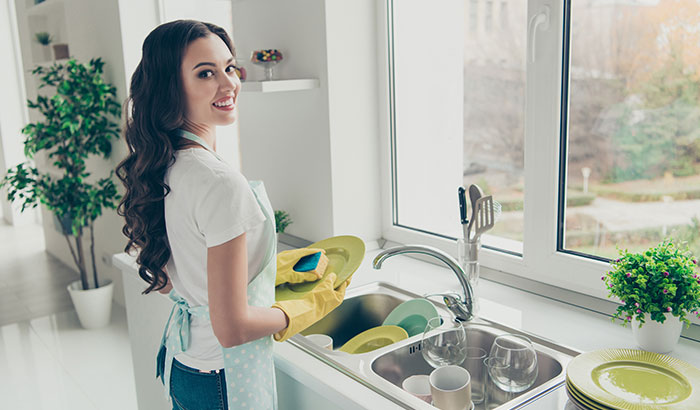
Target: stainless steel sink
[[383, 370], [354, 316]]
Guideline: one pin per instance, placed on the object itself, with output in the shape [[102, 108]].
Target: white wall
[[284, 136], [316, 150], [12, 111]]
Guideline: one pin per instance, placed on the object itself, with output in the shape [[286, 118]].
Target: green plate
[[412, 315], [345, 254], [373, 339], [582, 401], [626, 379]]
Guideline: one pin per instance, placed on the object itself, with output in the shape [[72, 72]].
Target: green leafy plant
[[43, 38], [78, 121], [662, 279], [282, 221]]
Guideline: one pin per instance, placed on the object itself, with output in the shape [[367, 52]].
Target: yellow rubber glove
[[313, 307], [286, 261]]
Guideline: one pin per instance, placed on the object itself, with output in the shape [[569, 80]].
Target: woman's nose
[[229, 82]]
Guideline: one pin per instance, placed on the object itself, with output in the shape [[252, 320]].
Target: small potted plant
[[659, 288], [282, 221], [44, 39], [78, 121]]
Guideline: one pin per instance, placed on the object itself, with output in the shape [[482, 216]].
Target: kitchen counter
[[568, 325]]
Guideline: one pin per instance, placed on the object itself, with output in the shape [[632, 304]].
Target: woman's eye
[[231, 69], [205, 74]]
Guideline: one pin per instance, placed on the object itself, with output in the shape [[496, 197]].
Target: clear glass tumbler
[[518, 353], [444, 342]]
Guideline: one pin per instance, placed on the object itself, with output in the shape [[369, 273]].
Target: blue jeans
[[192, 390]]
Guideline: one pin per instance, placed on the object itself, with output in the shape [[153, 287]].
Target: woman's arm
[[168, 286], [233, 320]]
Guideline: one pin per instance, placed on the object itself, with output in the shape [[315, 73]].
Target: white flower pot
[[658, 337], [94, 306]]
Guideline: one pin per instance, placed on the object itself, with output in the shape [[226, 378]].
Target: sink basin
[[383, 370], [397, 365], [354, 316]]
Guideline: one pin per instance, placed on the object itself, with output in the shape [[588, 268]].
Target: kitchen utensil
[[373, 339], [520, 356], [419, 386], [444, 342], [345, 254], [483, 216], [321, 340], [474, 194], [412, 315], [451, 388], [474, 363], [461, 193], [634, 380]]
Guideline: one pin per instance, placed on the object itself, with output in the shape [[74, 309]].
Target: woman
[[201, 230]]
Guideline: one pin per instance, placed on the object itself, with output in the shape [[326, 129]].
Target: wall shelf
[[280, 85], [45, 8]]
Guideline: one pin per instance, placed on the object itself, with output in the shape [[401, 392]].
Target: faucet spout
[[462, 309]]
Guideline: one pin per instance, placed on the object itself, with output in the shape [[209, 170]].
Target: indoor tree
[[79, 119]]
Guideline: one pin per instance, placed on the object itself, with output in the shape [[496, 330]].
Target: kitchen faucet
[[461, 306]]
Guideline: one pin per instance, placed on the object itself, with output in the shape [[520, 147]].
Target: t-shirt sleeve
[[226, 209]]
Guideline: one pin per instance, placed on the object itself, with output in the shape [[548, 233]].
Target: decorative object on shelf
[[282, 220], [267, 59], [661, 284], [60, 51], [44, 39], [73, 126], [241, 72]]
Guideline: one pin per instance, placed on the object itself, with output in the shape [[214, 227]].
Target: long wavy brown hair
[[154, 109]]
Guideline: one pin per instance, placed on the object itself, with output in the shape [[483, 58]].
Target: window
[[581, 119], [633, 169]]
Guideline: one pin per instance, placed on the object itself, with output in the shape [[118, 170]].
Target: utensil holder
[[468, 257]]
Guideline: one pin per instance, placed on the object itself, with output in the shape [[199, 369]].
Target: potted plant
[[44, 39], [282, 221], [659, 288], [78, 121]]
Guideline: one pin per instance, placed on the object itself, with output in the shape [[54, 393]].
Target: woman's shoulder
[[199, 166]]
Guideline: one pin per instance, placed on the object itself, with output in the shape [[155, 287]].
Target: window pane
[[494, 101], [633, 174], [427, 108]]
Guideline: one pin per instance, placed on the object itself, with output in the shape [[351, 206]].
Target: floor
[[47, 361]]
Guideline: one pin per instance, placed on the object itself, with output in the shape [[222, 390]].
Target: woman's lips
[[224, 104]]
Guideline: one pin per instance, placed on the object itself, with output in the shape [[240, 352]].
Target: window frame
[[543, 258]]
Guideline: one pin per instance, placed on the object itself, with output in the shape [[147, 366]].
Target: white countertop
[[571, 326], [568, 325]]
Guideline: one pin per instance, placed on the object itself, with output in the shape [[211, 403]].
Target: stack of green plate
[[626, 379]]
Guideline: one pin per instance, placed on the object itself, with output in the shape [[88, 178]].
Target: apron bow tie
[[180, 321]]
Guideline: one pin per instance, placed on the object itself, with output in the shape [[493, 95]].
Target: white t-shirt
[[209, 204]]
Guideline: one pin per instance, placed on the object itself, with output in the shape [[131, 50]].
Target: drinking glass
[[444, 342], [520, 358], [494, 396]]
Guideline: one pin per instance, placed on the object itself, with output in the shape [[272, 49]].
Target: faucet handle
[[451, 295], [455, 304]]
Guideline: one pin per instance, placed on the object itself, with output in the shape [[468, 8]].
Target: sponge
[[315, 263]]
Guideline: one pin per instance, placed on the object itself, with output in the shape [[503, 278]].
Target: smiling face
[[210, 83]]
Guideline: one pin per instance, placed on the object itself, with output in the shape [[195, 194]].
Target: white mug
[[321, 340], [419, 386], [451, 388]]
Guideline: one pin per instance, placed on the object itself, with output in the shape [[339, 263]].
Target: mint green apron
[[249, 369]]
